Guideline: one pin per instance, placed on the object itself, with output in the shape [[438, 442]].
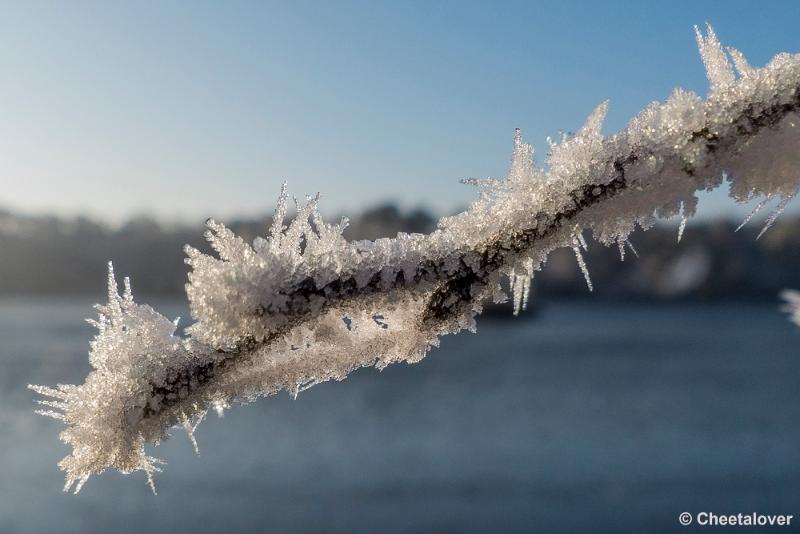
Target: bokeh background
[[123, 126]]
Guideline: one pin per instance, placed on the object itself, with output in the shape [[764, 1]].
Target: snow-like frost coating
[[303, 305]]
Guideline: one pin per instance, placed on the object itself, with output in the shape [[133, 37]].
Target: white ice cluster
[[134, 350], [303, 305], [792, 306]]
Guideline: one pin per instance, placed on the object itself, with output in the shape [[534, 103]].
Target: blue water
[[584, 417]]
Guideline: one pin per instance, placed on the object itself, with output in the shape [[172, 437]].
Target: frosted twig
[[303, 305]]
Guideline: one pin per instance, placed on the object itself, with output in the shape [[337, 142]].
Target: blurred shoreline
[[52, 256]]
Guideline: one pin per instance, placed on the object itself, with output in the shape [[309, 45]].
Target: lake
[[583, 416]]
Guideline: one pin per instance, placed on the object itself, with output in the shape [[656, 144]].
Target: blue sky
[[188, 110]]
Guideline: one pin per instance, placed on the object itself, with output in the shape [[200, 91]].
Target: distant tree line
[[53, 256]]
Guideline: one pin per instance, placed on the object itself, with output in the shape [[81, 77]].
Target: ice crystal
[[303, 305], [582, 264], [753, 212], [682, 228], [775, 214]]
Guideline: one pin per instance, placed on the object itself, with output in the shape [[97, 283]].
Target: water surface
[[585, 416]]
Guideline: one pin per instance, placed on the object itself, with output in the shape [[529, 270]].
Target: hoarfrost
[[304, 305]]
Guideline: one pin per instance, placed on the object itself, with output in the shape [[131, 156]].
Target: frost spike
[[127, 293], [516, 290], [51, 413], [582, 264], [740, 62], [594, 122], [113, 295], [630, 246], [189, 428], [526, 290], [775, 214], [47, 391], [80, 482], [753, 213], [581, 240], [521, 162], [682, 225], [276, 230], [718, 68]]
